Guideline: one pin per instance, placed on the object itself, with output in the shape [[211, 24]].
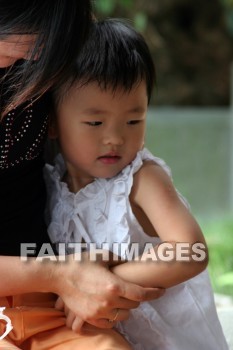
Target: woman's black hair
[[115, 55], [61, 27]]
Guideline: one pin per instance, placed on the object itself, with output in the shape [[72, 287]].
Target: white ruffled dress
[[185, 317]]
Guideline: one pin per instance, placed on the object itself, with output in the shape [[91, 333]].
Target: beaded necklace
[[12, 137]]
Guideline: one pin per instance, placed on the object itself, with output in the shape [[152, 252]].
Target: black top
[[23, 133]]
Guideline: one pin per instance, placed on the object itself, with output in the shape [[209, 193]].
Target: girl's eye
[[93, 123], [133, 122]]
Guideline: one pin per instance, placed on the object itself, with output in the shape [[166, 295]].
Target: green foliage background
[[191, 43]]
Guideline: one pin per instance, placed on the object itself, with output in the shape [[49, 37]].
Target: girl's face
[[14, 47], [100, 131]]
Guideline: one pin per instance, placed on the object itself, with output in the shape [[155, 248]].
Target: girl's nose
[[114, 137]]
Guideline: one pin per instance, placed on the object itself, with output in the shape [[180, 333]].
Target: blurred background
[[190, 119]]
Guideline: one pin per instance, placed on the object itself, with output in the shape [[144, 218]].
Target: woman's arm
[[86, 287], [154, 195], [23, 277]]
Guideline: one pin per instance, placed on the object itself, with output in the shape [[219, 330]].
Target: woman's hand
[[76, 323], [70, 315], [94, 294]]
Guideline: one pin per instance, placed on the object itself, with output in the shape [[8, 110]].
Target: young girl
[[38, 42], [107, 188]]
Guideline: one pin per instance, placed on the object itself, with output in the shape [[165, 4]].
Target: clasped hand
[[91, 293]]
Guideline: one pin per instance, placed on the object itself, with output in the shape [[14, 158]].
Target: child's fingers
[[59, 304], [70, 317], [77, 324]]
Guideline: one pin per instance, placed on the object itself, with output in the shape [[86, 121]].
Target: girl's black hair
[[115, 55], [62, 27]]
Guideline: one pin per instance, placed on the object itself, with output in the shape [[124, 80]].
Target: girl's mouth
[[109, 159]]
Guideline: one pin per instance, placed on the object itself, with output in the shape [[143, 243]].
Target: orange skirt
[[37, 325]]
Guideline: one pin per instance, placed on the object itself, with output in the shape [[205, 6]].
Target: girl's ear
[[52, 127]]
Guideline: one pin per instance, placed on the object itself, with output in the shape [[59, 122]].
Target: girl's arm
[[154, 197]]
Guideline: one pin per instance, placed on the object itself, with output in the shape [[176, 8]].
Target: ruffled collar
[[93, 189]]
